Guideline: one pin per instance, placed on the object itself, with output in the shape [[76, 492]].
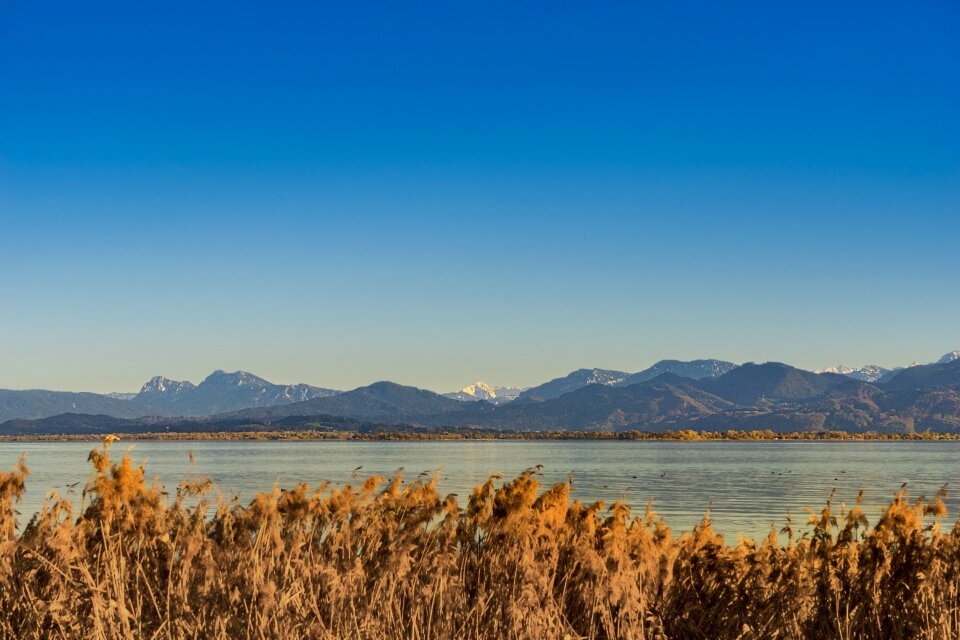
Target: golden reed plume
[[389, 560]]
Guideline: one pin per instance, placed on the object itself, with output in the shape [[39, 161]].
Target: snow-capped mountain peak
[[839, 369], [866, 373], [599, 376], [223, 391], [949, 357], [480, 390], [161, 385], [225, 379]]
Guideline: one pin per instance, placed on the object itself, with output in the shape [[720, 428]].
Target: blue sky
[[434, 192]]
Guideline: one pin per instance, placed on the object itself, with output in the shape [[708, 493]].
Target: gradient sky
[[435, 192]]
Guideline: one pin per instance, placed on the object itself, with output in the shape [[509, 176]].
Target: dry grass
[[265, 433], [394, 560]]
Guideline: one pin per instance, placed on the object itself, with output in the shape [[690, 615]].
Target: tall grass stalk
[[388, 559]]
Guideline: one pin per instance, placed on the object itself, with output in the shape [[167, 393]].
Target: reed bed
[[392, 559], [265, 433]]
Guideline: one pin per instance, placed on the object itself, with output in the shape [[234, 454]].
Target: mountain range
[[875, 373], [867, 373], [221, 392], [218, 393], [571, 382], [480, 390], [949, 357], [772, 396], [696, 369], [671, 394]]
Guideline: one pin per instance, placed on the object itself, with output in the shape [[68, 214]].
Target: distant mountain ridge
[[670, 394], [768, 396], [757, 396], [571, 382], [867, 373], [949, 357], [925, 377], [40, 403], [652, 403], [480, 390], [221, 392], [875, 373], [381, 400], [160, 386], [121, 395], [218, 393], [694, 369], [753, 384]]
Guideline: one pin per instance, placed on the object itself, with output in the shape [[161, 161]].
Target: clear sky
[[435, 192]]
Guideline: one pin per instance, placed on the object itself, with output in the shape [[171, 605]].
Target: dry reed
[[388, 559]]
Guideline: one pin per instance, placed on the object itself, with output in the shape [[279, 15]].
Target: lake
[[745, 485]]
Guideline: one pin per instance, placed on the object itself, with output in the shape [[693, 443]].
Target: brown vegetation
[[474, 434], [392, 560]]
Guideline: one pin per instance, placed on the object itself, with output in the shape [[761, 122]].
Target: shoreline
[[543, 436]]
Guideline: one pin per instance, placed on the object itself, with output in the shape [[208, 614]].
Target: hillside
[[571, 382], [381, 400], [694, 369], [39, 403], [771, 396], [753, 384], [606, 407], [221, 392], [927, 376]]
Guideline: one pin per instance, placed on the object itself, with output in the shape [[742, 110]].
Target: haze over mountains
[[671, 394]]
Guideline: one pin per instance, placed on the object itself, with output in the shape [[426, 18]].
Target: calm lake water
[[746, 485]]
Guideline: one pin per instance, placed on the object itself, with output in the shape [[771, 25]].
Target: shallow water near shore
[[747, 486]]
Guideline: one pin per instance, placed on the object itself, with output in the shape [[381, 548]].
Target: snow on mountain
[[223, 391], [121, 395], [480, 390], [573, 381], [506, 394], [696, 369], [839, 369], [867, 373], [949, 357], [874, 373], [165, 386]]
